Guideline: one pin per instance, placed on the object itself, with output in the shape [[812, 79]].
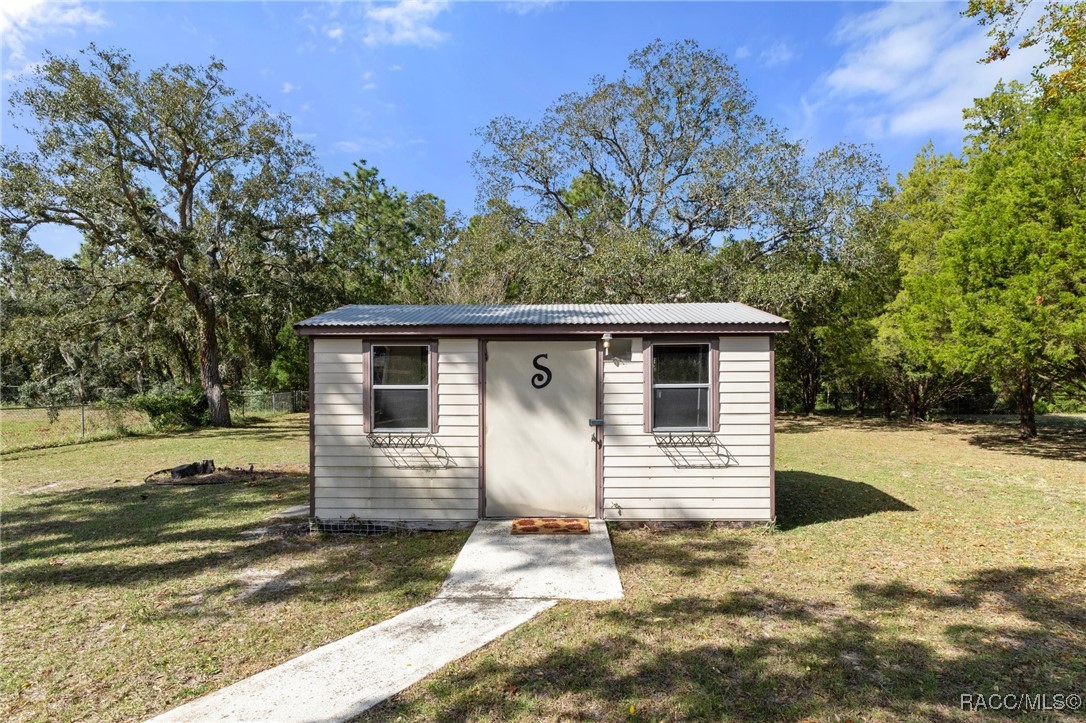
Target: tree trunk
[[206, 317], [1027, 420], [912, 406], [187, 371], [861, 399], [217, 405], [810, 393]]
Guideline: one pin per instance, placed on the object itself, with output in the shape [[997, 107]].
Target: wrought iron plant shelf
[[401, 440], [686, 439]]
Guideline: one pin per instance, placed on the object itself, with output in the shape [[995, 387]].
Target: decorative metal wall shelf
[[694, 450], [411, 450], [402, 440], [686, 439]]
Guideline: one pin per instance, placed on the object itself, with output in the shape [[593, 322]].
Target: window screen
[[680, 386], [401, 388]]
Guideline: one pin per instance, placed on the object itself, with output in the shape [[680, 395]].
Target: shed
[[437, 416]]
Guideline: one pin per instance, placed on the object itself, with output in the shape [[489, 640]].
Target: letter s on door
[[544, 377]]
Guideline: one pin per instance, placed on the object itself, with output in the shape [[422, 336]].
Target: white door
[[540, 457]]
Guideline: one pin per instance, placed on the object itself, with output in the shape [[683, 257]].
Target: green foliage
[[915, 338], [289, 369], [192, 197], [1018, 254], [672, 149], [173, 406], [1060, 27], [383, 246]]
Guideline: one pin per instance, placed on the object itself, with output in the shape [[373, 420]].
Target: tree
[[1018, 254], [383, 245], [915, 335], [1060, 27], [675, 150], [172, 172]]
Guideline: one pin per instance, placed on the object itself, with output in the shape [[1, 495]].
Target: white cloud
[[742, 52], [335, 32], [375, 145], [406, 22], [527, 7], [366, 145], [777, 54], [908, 69], [26, 21], [289, 87]]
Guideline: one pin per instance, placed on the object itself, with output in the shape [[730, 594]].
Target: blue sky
[[405, 84]]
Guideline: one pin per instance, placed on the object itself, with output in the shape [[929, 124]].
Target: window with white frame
[[680, 387], [400, 388]]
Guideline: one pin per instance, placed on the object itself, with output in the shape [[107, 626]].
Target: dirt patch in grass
[[119, 600], [911, 566], [221, 476]]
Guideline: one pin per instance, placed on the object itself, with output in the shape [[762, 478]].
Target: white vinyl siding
[[353, 478], [640, 481]]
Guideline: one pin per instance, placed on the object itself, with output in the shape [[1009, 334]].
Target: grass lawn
[[120, 600], [910, 566]]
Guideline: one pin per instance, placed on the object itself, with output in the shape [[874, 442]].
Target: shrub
[[173, 405]]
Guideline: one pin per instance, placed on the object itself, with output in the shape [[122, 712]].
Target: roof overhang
[[538, 330]]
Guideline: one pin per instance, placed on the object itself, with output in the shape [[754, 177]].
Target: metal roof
[[710, 315]]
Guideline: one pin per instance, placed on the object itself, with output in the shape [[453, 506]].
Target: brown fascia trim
[[772, 429], [367, 387], [601, 435], [312, 435], [530, 331], [482, 428], [646, 385]]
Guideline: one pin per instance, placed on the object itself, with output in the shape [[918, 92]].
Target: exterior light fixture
[[606, 345]]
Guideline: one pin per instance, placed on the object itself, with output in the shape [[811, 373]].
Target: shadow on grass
[[1060, 437], [801, 424], [134, 535], [758, 655], [689, 558], [1022, 589], [1064, 440], [805, 498]]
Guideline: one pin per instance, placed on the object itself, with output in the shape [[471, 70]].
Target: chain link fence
[[252, 403], [29, 427], [24, 427]]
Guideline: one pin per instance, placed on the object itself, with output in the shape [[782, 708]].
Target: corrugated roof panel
[[543, 315]]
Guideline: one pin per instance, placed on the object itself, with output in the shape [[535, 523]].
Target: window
[[400, 388], [681, 387]]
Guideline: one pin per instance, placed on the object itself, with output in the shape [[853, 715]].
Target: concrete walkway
[[498, 582]]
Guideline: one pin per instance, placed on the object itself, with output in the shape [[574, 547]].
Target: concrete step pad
[[497, 564]]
